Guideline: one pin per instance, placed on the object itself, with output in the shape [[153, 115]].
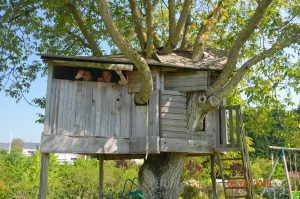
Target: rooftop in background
[[26, 145], [213, 60]]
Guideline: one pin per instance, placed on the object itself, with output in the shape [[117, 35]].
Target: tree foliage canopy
[[244, 29]]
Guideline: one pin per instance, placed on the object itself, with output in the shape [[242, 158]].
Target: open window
[[69, 73]]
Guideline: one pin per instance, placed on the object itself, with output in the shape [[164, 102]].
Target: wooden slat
[[68, 101], [68, 144], [93, 65], [139, 120], [138, 145], [181, 145], [104, 111], [57, 96], [173, 110], [223, 129], [231, 127], [173, 98], [153, 114], [173, 128], [173, 116], [47, 123], [173, 104], [73, 109], [168, 92], [116, 126], [186, 88], [174, 134], [97, 95], [185, 74], [60, 121], [186, 81], [78, 112], [52, 107], [125, 123], [88, 108], [171, 122]]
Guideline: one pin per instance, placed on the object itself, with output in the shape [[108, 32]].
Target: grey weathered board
[[186, 81], [135, 82], [173, 119], [78, 108]]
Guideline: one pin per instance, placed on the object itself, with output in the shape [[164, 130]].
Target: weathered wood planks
[[84, 144], [78, 108], [186, 81], [173, 119]]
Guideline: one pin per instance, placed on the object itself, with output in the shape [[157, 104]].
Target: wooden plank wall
[[175, 136], [88, 109], [186, 81], [173, 114]]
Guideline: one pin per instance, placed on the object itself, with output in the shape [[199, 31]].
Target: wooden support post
[[287, 175], [44, 176], [213, 176], [100, 176]]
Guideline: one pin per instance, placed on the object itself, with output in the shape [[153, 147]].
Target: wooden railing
[[230, 128]]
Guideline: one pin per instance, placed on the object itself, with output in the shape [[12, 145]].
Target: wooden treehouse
[[90, 117]]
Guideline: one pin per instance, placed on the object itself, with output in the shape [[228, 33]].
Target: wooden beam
[[92, 65], [284, 148], [84, 144], [44, 176], [213, 176], [287, 176], [101, 176]]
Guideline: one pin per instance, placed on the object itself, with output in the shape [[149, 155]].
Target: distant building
[[68, 158], [29, 148]]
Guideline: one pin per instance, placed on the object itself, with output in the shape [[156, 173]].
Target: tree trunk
[[160, 176]]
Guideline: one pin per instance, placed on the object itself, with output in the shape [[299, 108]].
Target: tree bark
[[243, 36], [160, 176], [138, 23], [186, 10], [83, 28], [205, 29], [141, 64], [150, 28]]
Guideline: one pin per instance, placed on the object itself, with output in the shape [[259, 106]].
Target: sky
[[20, 117]]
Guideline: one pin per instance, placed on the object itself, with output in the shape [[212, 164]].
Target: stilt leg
[[44, 176], [100, 176], [213, 176]]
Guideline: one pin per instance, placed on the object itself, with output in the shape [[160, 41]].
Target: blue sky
[[20, 117]]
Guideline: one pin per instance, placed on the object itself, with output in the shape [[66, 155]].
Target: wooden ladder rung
[[227, 159], [228, 188], [236, 178], [243, 196]]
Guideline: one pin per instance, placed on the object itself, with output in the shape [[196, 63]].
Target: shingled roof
[[213, 60]]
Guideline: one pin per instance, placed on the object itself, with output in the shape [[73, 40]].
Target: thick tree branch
[[239, 42], [150, 28], [186, 10], [138, 23], [186, 35], [84, 29], [141, 64], [205, 30], [233, 82], [172, 21]]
